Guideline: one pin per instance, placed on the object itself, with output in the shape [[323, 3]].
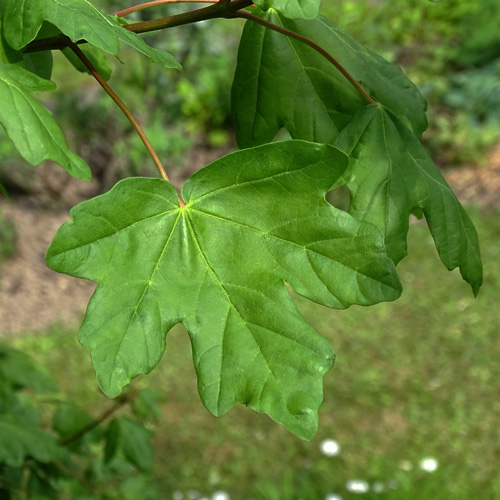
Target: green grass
[[416, 378]]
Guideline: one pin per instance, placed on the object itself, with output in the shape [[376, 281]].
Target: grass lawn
[[413, 379]]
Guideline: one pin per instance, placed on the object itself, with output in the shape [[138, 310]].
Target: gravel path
[[32, 296]]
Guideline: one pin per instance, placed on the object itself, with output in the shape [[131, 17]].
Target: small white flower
[[428, 464], [333, 496], [329, 447], [357, 486], [220, 495]]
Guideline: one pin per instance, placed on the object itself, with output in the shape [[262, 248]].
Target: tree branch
[[121, 401], [155, 3]]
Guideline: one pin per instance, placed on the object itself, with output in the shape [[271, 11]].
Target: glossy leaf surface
[[253, 220], [79, 20], [281, 82], [30, 125], [391, 177], [293, 9]]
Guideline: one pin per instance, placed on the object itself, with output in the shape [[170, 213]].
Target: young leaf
[[133, 440], [252, 220], [30, 125], [293, 9], [145, 405], [281, 82], [18, 441], [391, 177], [79, 20]]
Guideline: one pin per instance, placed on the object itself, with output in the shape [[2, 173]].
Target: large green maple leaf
[[391, 176], [30, 125], [77, 19], [253, 220], [282, 83]]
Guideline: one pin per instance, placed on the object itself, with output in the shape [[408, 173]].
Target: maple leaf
[[391, 176], [252, 221], [30, 125], [282, 83], [79, 20]]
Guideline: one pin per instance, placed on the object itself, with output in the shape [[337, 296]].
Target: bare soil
[[33, 297]]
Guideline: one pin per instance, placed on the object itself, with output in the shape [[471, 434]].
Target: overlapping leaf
[[392, 176], [79, 20], [293, 9], [30, 125], [252, 220], [281, 82]]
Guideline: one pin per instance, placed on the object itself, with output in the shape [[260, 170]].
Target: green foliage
[[79, 20], [30, 125], [131, 440], [39, 460], [252, 221]]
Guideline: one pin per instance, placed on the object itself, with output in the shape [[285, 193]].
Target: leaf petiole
[[104, 84], [155, 3]]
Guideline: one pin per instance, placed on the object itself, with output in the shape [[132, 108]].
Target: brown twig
[[104, 84], [121, 401], [155, 3]]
